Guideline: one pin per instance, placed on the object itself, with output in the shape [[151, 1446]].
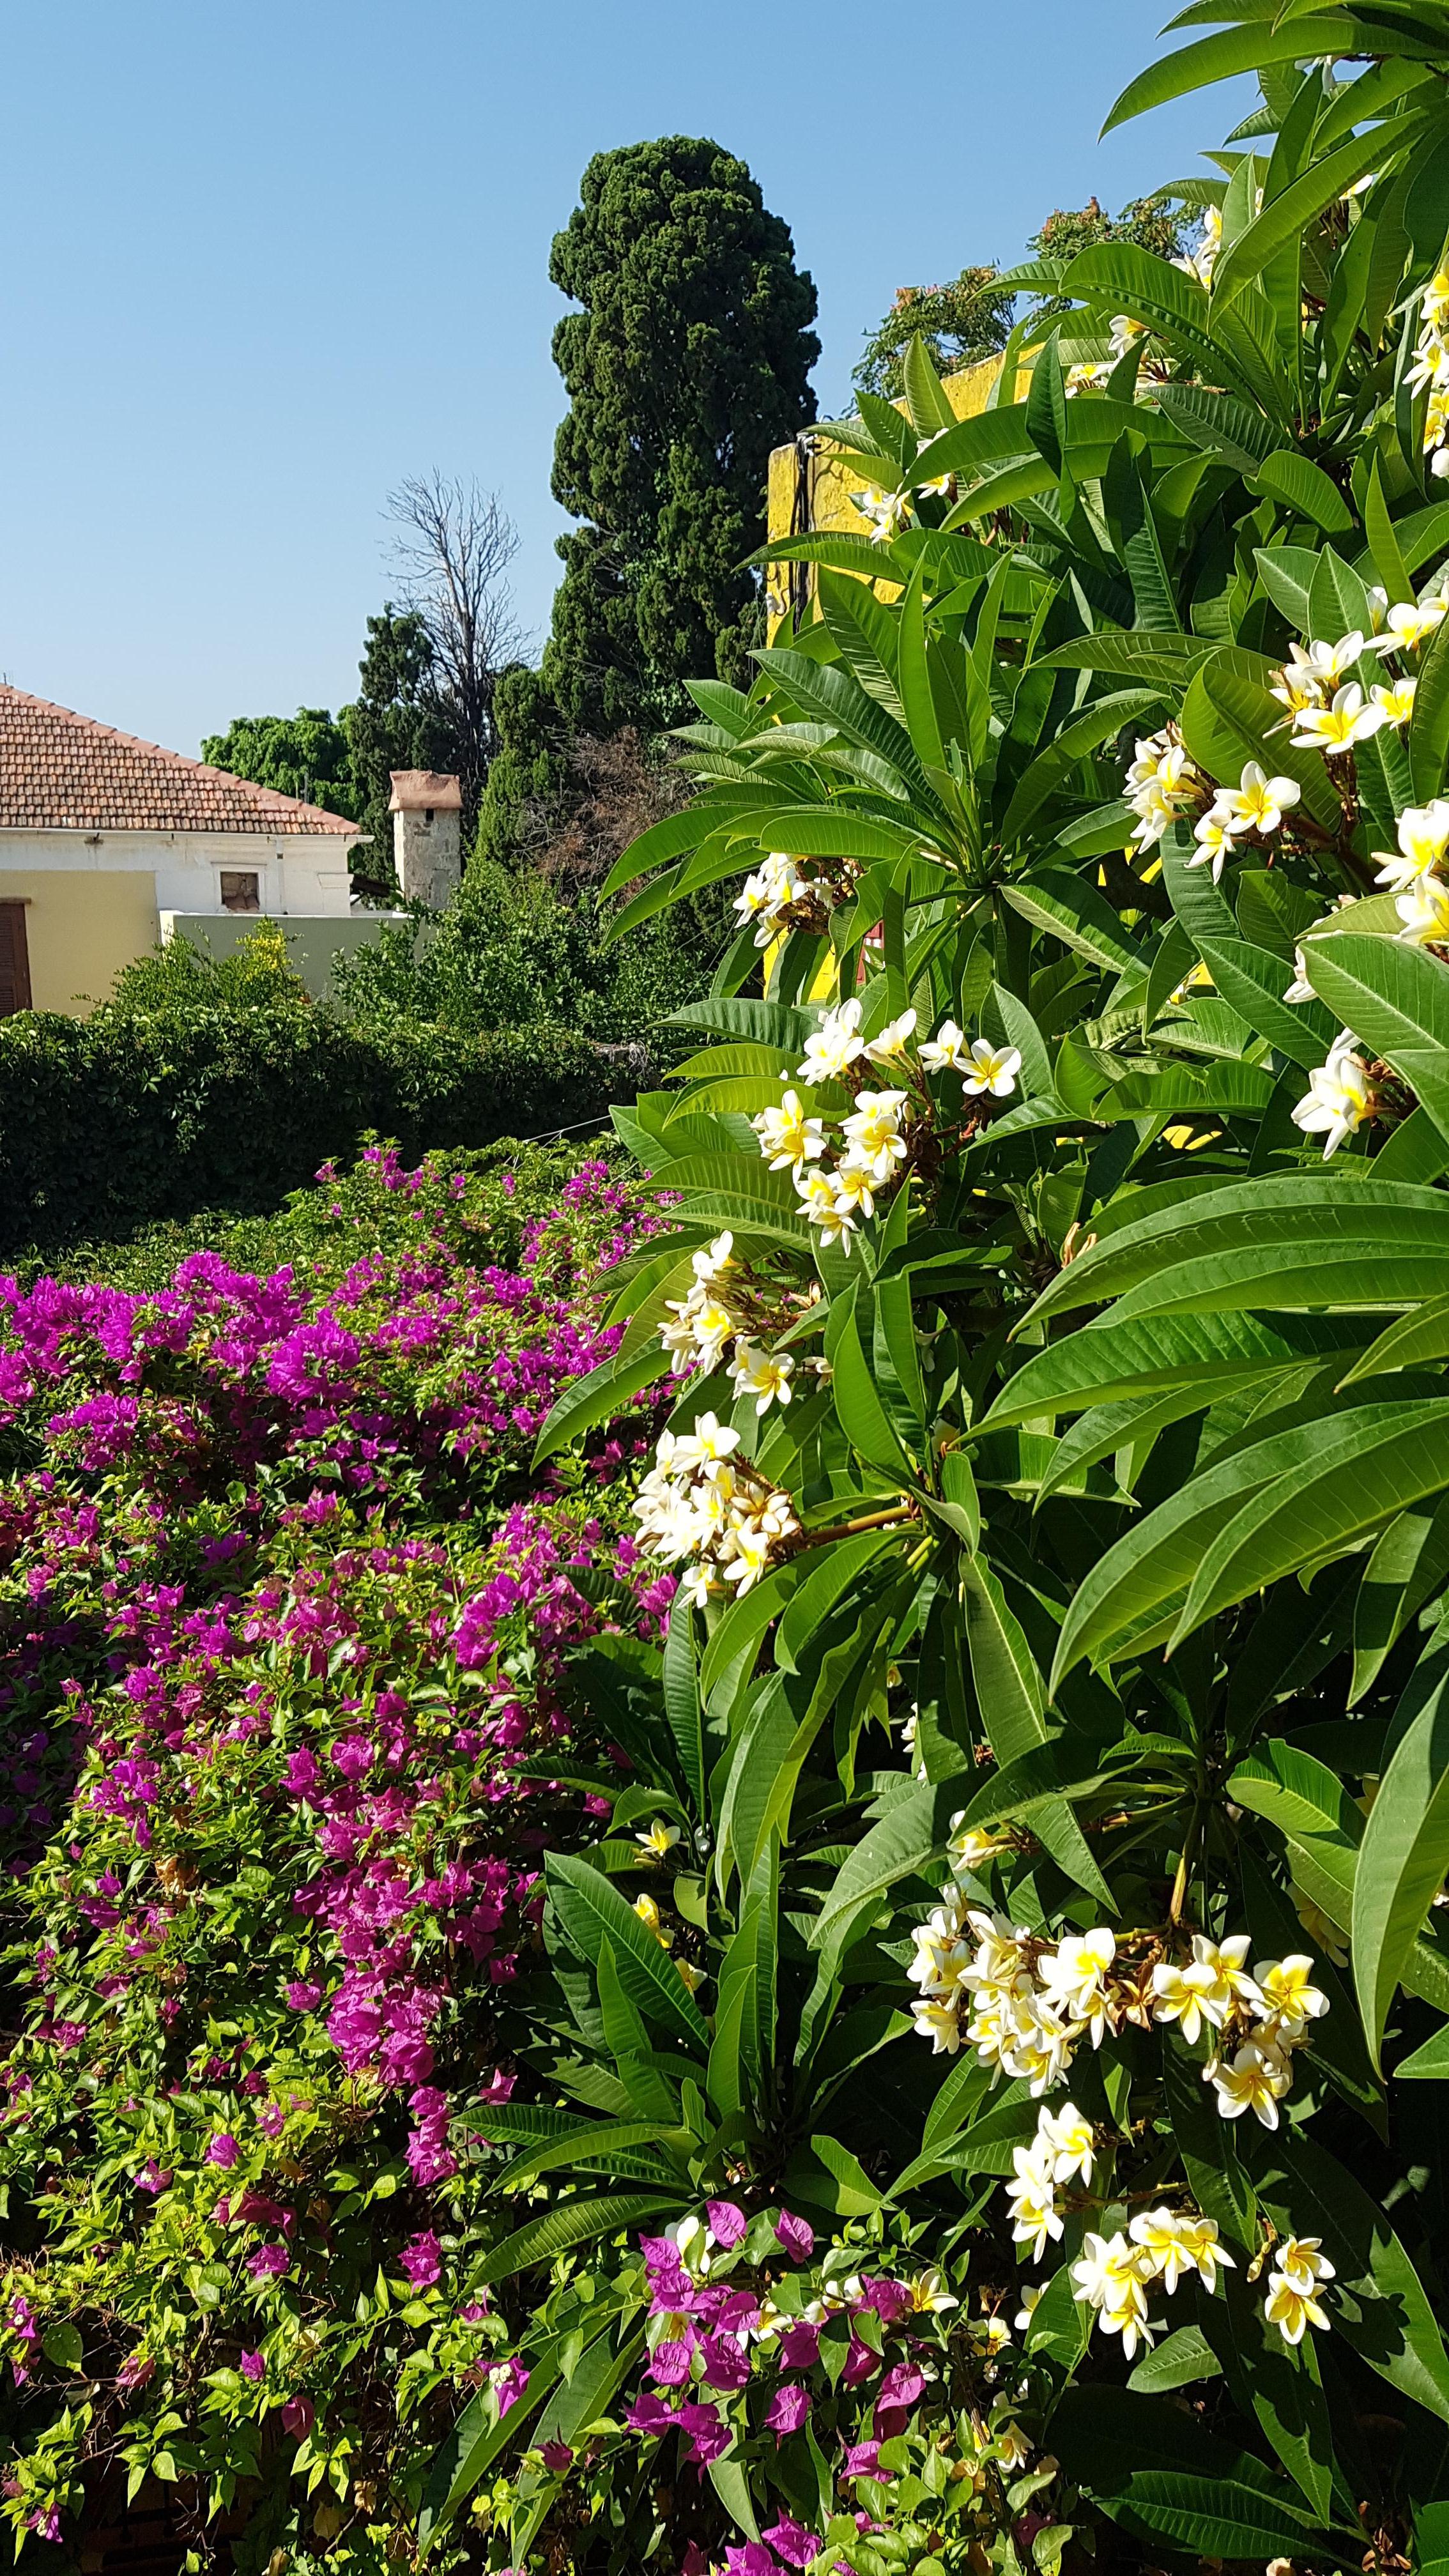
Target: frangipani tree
[[1044, 1789]]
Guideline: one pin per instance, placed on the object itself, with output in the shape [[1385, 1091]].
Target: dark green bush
[[222, 1102]]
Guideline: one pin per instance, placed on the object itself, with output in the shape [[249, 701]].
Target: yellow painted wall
[[81, 926], [809, 491]]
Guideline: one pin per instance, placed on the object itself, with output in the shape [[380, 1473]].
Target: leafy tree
[[688, 360], [306, 755], [970, 317], [975, 2083], [396, 721], [399, 720], [1057, 1463]]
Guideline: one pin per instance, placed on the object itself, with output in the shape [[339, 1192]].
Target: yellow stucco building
[[810, 490]]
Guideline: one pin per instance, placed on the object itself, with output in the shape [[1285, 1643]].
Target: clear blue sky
[[264, 260]]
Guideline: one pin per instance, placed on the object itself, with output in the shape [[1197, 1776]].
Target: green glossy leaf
[[574, 2222], [1429, 727], [1370, 1465], [591, 1912], [1402, 1862]]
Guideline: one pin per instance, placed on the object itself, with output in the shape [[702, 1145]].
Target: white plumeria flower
[[855, 1185], [1395, 702], [1424, 912], [816, 1192], [1035, 2219], [1256, 2080], [1339, 1098], [944, 1053], [1112, 2275], [833, 1214], [937, 2022], [1032, 2293], [1302, 2261], [767, 894], [991, 1069], [1423, 833], [1202, 1994], [929, 2294], [891, 1041], [1411, 624], [1328, 662], [1071, 2139], [765, 1375], [1260, 802], [749, 1558], [835, 1045], [788, 1139], [1175, 2245], [1226, 1959], [1299, 2266], [710, 1441], [1350, 718], [971, 1846], [657, 1839], [1290, 1999], [714, 1259], [1153, 752], [1299, 683], [1076, 1978], [873, 1132], [887, 512], [1010, 2445], [1125, 331], [1214, 838], [1300, 990]]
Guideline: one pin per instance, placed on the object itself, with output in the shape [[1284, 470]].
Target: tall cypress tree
[[688, 359]]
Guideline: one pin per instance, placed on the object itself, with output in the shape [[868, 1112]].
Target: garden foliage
[[970, 2092], [224, 1086], [283, 1620]]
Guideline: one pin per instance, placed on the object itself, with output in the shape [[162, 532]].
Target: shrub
[[285, 1634], [223, 1087]]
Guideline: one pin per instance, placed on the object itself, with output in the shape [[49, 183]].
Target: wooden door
[[14, 961]]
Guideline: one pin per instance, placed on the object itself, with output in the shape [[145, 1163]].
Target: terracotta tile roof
[[62, 772]]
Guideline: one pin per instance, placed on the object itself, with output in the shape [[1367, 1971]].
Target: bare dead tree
[[453, 547]]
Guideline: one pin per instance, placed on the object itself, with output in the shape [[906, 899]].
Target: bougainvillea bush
[[285, 1618]]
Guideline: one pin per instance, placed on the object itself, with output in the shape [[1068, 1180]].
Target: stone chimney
[[427, 833]]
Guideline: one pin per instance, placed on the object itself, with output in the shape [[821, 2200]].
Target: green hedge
[[111, 1123]]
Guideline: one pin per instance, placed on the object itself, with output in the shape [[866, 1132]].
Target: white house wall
[[306, 873]]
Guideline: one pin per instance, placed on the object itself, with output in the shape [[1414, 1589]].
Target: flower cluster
[[1164, 786], [1115, 2273], [1415, 872], [888, 513], [878, 1133], [1430, 369], [780, 896], [703, 1505], [1340, 1097], [1025, 2003], [728, 1309], [1331, 713], [296, 1737], [752, 2330]]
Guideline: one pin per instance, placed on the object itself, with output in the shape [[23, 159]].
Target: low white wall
[[312, 943]]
